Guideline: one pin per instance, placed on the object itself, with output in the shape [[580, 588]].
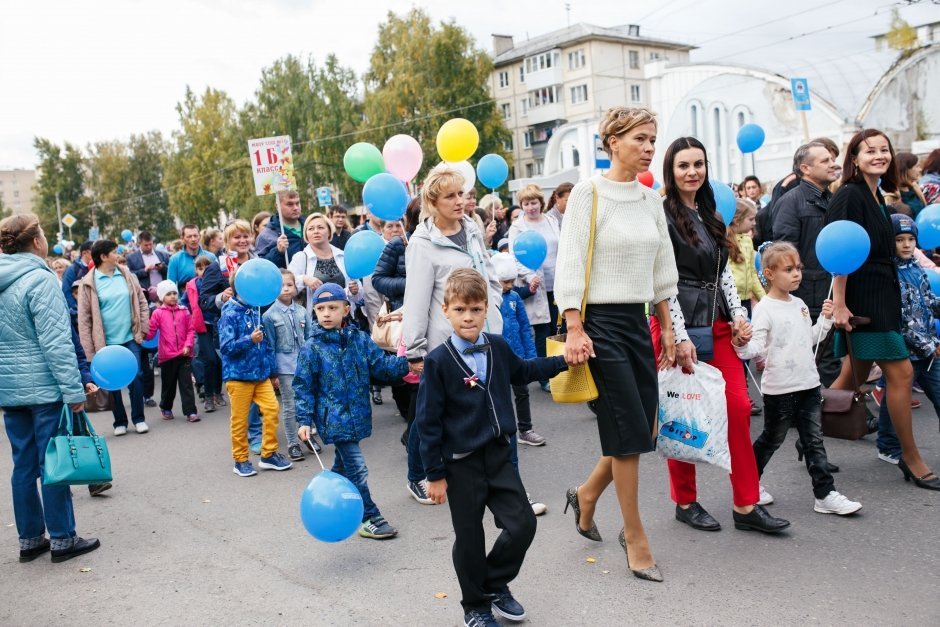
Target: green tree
[[901, 35], [311, 104], [419, 71], [206, 151], [4, 212], [62, 172]]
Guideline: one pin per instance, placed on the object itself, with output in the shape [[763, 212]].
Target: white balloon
[[465, 169]]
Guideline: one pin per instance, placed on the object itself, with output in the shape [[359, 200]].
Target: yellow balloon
[[457, 140]]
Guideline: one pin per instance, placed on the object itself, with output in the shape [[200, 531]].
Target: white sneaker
[[120, 430], [885, 457], [765, 497], [537, 508], [141, 427], [836, 503]]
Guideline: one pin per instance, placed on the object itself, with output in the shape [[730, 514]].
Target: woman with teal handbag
[[38, 374]]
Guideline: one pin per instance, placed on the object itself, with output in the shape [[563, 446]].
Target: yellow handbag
[[575, 385]]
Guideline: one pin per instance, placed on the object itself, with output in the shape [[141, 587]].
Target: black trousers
[[146, 368], [523, 411], [804, 410], [484, 479], [177, 372]]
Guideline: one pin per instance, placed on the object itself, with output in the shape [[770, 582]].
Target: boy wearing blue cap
[[919, 305], [331, 391]]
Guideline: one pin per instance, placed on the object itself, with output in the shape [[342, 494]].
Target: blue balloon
[[934, 277], [530, 249], [127, 235], [151, 344], [120, 250], [114, 367], [750, 138], [362, 252], [842, 247], [657, 184], [928, 226], [725, 202], [258, 282], [936, 327], [385, 196], [492, 170], [765, 200], [161, 247], [331, 507], [757, 264], [57, 249]]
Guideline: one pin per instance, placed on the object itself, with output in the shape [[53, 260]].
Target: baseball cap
[[329, 292]]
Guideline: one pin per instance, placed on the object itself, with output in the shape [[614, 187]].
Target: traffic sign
[[800, 89], [324, 196], [69, 220]]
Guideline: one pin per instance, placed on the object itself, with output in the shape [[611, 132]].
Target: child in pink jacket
[[174, 351]]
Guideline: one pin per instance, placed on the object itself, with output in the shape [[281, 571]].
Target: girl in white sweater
[[783, 335]]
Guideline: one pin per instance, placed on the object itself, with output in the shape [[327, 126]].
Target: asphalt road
[[185, 541]]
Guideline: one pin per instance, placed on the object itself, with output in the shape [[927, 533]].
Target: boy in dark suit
[[465, 420]]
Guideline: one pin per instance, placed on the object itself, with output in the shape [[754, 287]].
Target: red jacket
[[192, 294], [175, 325]]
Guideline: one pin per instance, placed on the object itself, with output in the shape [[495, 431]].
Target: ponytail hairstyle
[[18, 232], [561, 191], [742, 207], [704, 198]]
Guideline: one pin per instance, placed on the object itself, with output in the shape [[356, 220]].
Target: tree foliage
[[62, 172], [901, 36], [423, 74]]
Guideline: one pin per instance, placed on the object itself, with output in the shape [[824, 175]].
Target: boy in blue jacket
[[465, 420], [249, 370], [331, 390], [919, 305]]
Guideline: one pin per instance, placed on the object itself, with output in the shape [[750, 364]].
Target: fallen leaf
[[590, 560], [84, 570], [440, 595]]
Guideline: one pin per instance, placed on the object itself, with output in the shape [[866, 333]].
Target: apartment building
[[569, 75], [16, 190]]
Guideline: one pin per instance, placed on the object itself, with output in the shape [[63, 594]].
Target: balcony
[[545, 113], [544, 78]]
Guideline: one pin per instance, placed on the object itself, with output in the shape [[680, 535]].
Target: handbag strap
[[590, 251], [848, 345], [715, 284], [65, 420]]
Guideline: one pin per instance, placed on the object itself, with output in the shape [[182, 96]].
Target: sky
[[95, 70]]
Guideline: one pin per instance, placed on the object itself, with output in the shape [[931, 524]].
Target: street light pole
[[58, 212]]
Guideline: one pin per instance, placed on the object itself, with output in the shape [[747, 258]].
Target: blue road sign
[[800, 89]]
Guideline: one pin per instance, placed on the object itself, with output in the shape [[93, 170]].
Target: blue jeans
[[887, 441], [135, 390], [349, 462], [254, 425], [29, 429]]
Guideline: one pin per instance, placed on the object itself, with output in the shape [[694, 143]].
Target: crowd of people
[[640, 280]]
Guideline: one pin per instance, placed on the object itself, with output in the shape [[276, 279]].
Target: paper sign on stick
[[272, 164]]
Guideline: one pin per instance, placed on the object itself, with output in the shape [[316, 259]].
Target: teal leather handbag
[[76, 459]]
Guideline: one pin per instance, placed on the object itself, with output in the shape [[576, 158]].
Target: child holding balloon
[[783, 336], [919, 306], [331, 390]]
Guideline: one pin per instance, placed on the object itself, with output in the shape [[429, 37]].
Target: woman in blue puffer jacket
[[38, 373]]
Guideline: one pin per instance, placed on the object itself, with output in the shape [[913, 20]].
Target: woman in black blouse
[[873, 291]]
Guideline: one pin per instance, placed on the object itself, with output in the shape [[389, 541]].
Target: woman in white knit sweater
[[633, 264]]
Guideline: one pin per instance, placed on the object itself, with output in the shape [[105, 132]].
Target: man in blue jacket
[[76, 272]]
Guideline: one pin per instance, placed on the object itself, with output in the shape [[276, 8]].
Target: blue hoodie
[[242, 359], [37, 360], [919, 305]]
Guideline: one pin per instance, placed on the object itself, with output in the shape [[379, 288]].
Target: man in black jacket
[[799, 216], [273, 246], [148, 264]]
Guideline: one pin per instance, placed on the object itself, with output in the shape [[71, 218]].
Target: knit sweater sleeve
[[665, 274], [572, 249]]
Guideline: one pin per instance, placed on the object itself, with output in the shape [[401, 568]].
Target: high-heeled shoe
[[572, 500], [924, 481], [832, 468], [649, 574]]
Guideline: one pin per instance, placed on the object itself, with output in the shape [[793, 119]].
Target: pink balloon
[[403, 156]]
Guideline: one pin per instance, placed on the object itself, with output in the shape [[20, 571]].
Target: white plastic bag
[[693, 416]]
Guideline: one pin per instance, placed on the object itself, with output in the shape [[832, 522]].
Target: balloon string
[[819, 335], [756, 384], [314, 451]]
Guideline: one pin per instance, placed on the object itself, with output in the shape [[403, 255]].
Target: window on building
[[716, 113], [576, 59], [575, 157], [507, 145], [16, 193], [529, 170], [525, 106], [504, 79], [521, 73], [693, 111], [634, 60], [544, 96], [635, 93], [527, 139], [633, 30], [654, 56], [506, 108], [741, 121], [579, 94], [539, 166], [544, 61]]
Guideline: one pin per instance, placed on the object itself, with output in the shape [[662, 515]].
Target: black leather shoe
[[832, 468], [377, 396], [759, 520], [81, 546], [696, 517], [28, 555]]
